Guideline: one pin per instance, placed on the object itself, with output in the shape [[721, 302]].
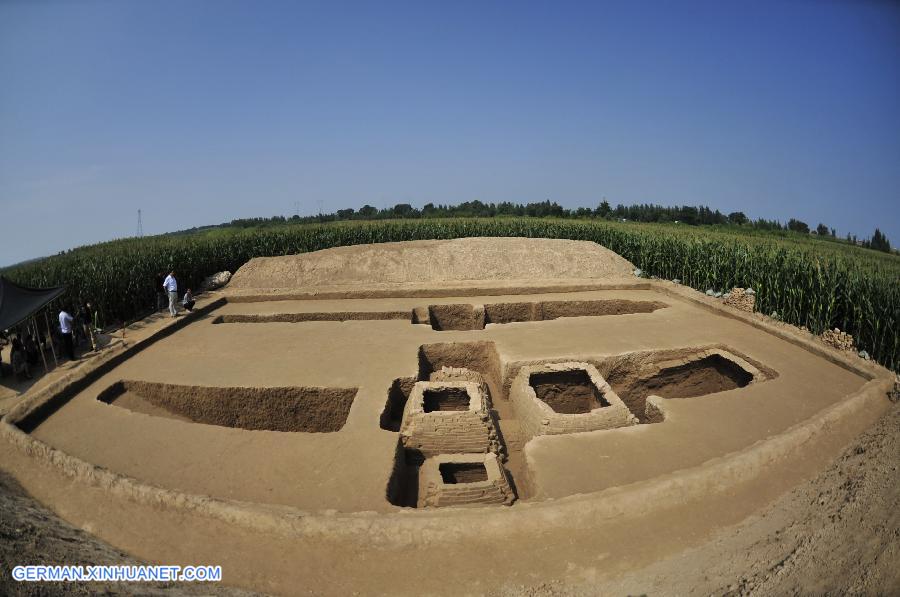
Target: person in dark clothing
[[188, 301], [160, 293], [32, 352], [19, 360], [86, 318]]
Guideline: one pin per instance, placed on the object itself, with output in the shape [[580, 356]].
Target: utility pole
[[140, 227], [297, 209], [319, 202]]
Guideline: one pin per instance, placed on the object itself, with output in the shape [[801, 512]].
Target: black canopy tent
[[18, 303]]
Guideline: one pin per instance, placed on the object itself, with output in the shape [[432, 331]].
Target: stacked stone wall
[[456, 431]]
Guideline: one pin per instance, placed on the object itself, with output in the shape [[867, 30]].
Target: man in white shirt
[[171, 286], [66, 322]]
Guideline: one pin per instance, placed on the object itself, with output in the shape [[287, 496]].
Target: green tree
[[798, 226], [737, 217]]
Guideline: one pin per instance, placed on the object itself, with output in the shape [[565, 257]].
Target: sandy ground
[[349, 470], [773, 533], [31, 534], [837, 534], [435, 261]]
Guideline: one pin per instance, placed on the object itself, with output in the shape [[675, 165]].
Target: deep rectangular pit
[[446, 399], [314, 316], [453, 473], [292, 409], [708, 375], [567, 392]]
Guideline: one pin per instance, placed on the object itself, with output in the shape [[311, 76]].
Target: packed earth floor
[[546, 436]]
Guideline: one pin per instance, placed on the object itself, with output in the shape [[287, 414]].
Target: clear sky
[[201, 112]]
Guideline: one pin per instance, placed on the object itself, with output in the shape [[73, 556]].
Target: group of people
[[167, 287], [77, 327], [73, 330], [25, 353]]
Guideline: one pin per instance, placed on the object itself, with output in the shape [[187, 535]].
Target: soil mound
[[435, 261]]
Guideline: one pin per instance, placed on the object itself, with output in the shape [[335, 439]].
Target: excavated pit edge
[[715, 477]]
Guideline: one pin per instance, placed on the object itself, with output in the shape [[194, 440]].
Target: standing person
[[66, 326], [188, 300], [32, 352], [19, 359], [160, 293], [171, 286], [86, 317]]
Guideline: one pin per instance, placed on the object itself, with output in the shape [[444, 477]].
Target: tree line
[[645, 212]]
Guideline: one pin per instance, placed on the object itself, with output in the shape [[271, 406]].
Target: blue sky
[[201, 112]]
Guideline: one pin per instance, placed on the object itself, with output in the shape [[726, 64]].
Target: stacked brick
[[434, 491], [448, 431], [463, 374]]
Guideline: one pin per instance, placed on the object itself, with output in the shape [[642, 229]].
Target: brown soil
[[707, 376], [282, 511], [567, 392], [460, 472], [435, 261], [702, 377], [836, 534], [475, 317], [316, 410], [398, 394], [32, 534], [304, 317], [455, 317], [448, 399]]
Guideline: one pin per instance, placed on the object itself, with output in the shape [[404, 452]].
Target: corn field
[[815, 284]]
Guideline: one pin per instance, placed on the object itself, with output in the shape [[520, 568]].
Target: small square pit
[[463, 480], [446, 417], [572, 397]]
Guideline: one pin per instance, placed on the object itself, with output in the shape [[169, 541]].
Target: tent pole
[[50, 339], [37, 335]]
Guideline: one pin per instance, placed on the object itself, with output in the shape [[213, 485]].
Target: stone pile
[[742, 299], [215, 281], [838, 339]]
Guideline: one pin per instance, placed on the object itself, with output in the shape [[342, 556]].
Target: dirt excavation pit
[[300, 409], [700, 373], [463, 480], [449, 399], [316, 316], [567, 392], [491, 445], [445, 417], [564, 398], [459, 472], [467, 317]]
